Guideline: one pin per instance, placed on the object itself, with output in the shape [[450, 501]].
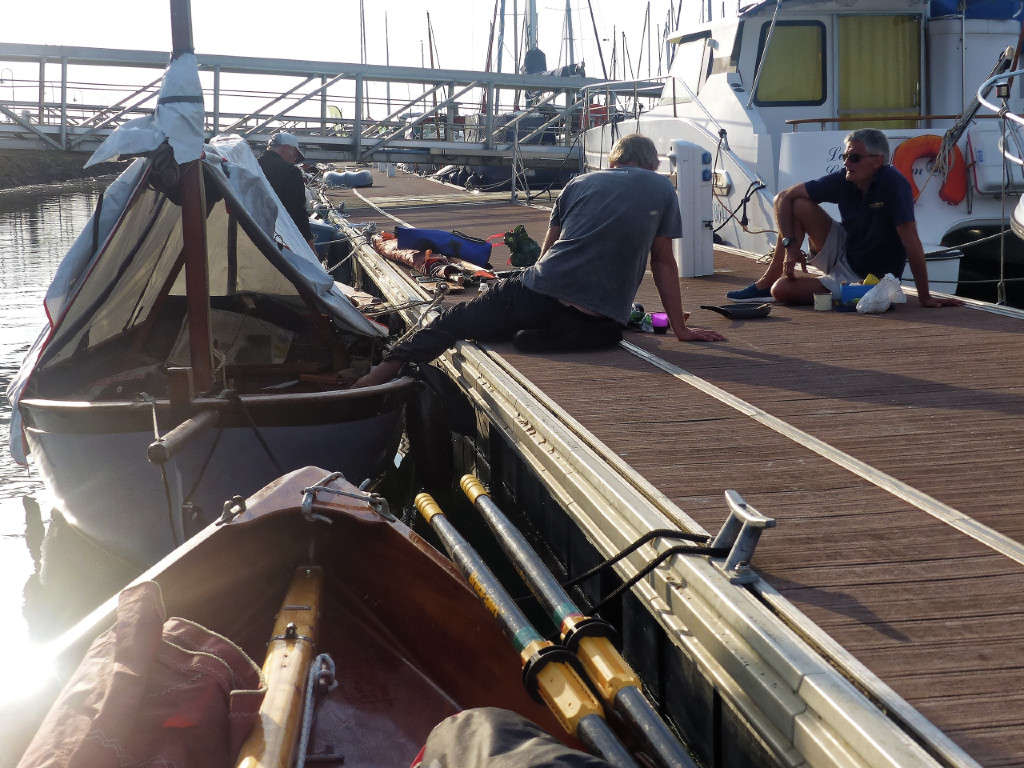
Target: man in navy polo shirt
[[877, 233]]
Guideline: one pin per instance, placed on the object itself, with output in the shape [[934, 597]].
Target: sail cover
[[129, 250]]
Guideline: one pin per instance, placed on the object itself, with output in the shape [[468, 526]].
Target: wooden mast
[[193, 229]]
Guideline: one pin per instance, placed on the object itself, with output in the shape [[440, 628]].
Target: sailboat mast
[[501, 34], [515, 33], [362, 49], [387, 58], [568, 32], [597, 40], [531, 26], [648, 39], [193, 230]]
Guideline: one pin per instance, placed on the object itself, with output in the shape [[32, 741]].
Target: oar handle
[[588, 638], [548, 670]]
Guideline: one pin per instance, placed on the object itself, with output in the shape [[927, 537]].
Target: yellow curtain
[[879, 69], [792, 70]]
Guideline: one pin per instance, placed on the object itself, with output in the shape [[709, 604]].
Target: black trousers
[[510, 310]]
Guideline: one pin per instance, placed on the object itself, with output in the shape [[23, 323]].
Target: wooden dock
[[888, 447]]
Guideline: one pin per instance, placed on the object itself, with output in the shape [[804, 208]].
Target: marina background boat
[[766, 118], [188, 323]]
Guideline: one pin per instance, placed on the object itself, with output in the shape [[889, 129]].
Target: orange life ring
[[954, 188]]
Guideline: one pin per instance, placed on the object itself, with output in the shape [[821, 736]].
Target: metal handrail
[[1014, 122], [291, 103]]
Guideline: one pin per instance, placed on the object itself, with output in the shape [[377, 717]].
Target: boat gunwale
[[339, 405]]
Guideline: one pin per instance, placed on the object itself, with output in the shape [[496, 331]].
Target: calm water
[[37, 225]]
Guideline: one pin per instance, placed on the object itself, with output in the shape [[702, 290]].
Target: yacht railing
[[1013, 124], [823, 121]]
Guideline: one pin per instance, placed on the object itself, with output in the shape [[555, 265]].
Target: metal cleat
[[740, 534]]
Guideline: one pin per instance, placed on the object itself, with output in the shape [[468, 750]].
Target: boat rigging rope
[[764, 53], [442, 291], [321, 680], [234, 397], [959, 247], [186, 502], [148, 398], [385, 309], [755, 186], [1001, 285]]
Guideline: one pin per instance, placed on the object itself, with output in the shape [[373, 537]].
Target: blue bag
[[454, 244]]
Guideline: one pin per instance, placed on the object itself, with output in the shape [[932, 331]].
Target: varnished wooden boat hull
[[411, 643]]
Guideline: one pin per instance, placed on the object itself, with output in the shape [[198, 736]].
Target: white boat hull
[[95, 464]]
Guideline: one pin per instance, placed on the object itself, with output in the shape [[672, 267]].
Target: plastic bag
[[882, 296], [525, 250]]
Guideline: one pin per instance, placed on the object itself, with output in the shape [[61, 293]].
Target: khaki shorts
[[831, 260]]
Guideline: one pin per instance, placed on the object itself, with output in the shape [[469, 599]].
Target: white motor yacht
[[769, 89]]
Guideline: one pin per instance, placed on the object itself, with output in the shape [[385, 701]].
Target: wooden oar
[[588, 638], [289, 657], [547, 668]]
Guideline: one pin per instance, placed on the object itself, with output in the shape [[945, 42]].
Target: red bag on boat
[[386, 245], [151, 692]]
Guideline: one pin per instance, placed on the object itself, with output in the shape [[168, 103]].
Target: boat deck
[[888, 447]]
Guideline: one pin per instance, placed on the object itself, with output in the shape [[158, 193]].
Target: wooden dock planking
[[933, 398]]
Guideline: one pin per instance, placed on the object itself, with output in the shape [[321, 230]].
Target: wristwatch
[[787, 241]]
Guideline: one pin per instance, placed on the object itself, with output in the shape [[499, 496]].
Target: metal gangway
[[71, 98]]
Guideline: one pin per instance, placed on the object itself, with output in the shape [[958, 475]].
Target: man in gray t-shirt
[[601, 230], [579, 293]]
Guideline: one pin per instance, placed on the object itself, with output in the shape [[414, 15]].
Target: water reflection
[[37, 226]]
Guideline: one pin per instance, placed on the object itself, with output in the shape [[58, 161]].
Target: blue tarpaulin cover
[[978, 9]]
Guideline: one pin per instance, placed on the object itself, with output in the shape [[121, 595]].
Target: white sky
[[329, 31]]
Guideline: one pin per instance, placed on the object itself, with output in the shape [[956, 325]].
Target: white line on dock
[[937, 509]]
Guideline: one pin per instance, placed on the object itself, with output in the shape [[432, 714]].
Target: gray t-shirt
[[609, 220]]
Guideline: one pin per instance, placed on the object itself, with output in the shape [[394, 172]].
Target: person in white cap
[[278, 164]]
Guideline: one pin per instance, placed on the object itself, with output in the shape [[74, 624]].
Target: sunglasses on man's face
[[854, 157]]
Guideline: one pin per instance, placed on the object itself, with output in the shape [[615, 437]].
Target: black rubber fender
[[430, 442]]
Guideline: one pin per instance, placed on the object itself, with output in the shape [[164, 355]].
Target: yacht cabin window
[[879, 70], [691, 66], [793, 73]]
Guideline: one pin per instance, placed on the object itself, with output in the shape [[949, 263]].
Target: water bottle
[[636, 315]]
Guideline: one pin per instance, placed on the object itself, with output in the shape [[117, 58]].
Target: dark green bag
[[525, 250]]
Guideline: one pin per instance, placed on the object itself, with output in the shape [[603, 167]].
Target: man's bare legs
[[799, 217]]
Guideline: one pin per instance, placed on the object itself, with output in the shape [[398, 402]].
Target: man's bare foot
[[383, 373]]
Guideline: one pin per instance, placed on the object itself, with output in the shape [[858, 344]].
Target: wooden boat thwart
[[409, 641]]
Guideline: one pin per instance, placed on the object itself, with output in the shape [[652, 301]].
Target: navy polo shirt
[[873, 245]]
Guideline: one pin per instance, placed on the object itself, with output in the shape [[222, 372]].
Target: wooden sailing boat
[[395, 638], [196, 349]]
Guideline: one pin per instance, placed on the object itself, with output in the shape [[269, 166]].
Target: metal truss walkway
[[70, 99]]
